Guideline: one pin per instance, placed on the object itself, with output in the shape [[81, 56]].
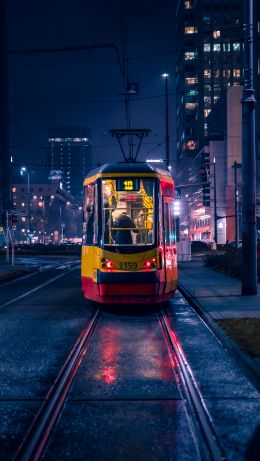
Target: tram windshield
[[128, 211]]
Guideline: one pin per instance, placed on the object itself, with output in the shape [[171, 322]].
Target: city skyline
[[85, 87]]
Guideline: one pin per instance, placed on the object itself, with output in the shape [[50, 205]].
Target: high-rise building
[[69, 157], [209, 64], [208, 61]]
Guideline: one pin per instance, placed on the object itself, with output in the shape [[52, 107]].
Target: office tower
[[208, 61], [69, 157]]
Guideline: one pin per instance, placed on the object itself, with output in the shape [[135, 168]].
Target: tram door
[[169, 244]]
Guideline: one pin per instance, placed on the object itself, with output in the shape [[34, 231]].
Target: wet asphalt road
[[124, 403]]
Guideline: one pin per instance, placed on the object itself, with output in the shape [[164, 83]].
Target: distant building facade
[[45, 213], [69, 157]]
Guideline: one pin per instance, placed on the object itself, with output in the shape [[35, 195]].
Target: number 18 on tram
[[129, 236]]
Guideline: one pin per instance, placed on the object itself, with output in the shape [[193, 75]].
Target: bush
[[229, 263]]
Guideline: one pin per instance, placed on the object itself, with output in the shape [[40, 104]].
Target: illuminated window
[[189, 55], [236, 46], [216, 33], [14, 189], [23, 218], [216, 47], [207, 47], [207, 73], [190, 30], [187, 5], [22, 204], [191, 105], [226, 46], [207, 101], [216, 98], [191, 144], [191, 80], [236, 73], [192, 93], [226, 73], [206, 112]]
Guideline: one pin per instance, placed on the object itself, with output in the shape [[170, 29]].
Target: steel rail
[[39, 432], [196, 406]]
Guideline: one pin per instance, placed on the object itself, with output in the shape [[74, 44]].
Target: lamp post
[[215, 204], [236, 205], [165, 76], [22, 171], [249, 250]]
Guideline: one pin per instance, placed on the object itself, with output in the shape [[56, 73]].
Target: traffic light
[[14, 219]]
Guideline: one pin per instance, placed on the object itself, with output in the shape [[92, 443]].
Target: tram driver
[[122, 228]]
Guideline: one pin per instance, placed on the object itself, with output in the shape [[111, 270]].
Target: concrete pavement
[[216, 296], [219, 295]]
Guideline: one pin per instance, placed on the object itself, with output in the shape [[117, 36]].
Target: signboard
[[55, 175], [127, 184]]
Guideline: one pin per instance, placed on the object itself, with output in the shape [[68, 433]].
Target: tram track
[[200, 421], [39, 432]]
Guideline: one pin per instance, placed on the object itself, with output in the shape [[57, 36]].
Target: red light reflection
[[109, 343]]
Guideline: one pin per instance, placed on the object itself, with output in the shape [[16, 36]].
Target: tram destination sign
[[127, 184]]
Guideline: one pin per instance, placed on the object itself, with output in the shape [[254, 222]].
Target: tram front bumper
[[128, 283]]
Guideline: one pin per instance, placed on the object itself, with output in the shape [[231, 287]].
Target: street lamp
[[22, 171], [165, 76], [215, 204]]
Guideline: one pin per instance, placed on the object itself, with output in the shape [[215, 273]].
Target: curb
[[246, 364], [13, 274]]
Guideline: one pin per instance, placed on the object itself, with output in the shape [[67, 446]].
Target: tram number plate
[[127, 266]]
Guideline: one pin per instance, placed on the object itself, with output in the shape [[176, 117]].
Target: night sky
[[82, 88]]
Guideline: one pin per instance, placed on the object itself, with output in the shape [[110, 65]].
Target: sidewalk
[[217, 297], [218, 294]]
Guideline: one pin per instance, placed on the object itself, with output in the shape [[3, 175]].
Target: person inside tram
[[122, 229], [141, 223]]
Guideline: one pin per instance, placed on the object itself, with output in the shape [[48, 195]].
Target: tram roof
[[129, 169]]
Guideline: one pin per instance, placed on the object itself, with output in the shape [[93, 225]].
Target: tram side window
[[90, 215], [169, 223]]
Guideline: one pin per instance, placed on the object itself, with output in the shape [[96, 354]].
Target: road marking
[[36, 289]]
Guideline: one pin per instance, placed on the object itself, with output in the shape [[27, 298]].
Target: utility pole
[[215, 204], [236, 205], [5, 188], [167, 150], [249, 256]]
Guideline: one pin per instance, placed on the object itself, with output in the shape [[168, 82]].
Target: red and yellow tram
[[128, 248]]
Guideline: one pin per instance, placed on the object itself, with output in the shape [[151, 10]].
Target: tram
[[129, 251]]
